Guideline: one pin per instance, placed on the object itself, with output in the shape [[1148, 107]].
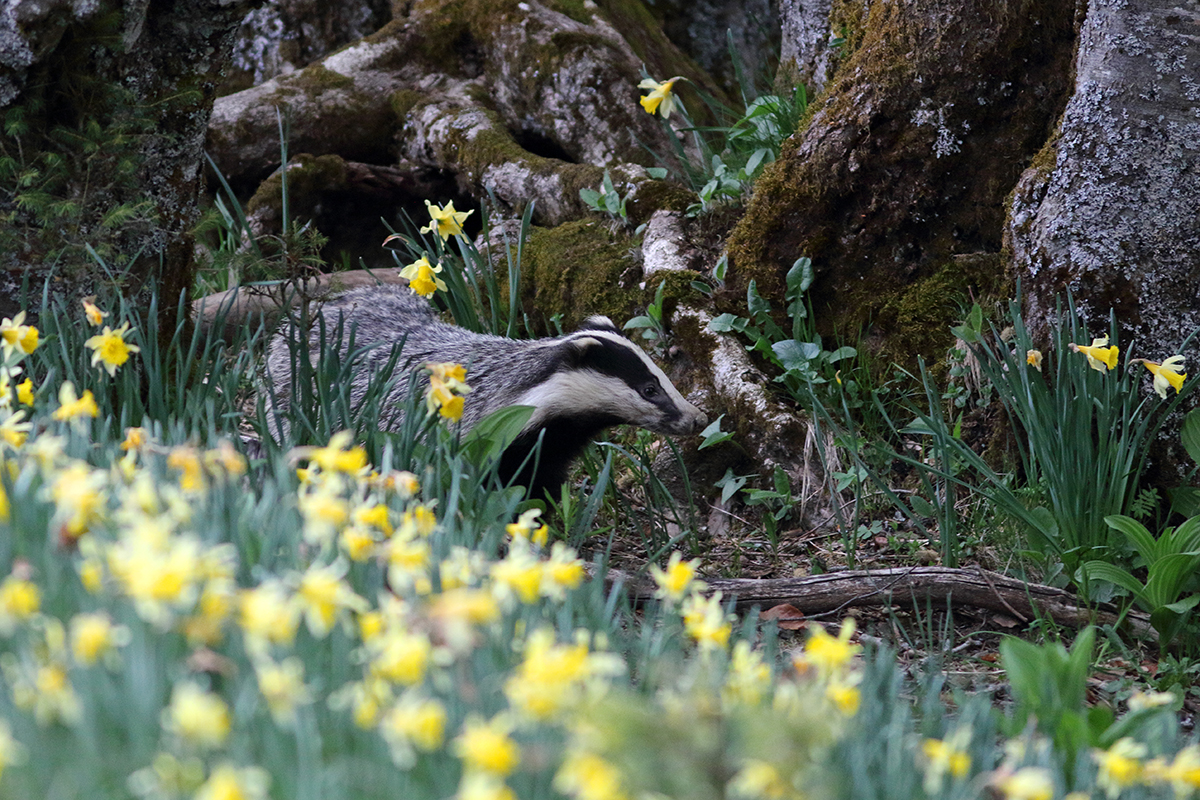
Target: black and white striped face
[[602, 376]]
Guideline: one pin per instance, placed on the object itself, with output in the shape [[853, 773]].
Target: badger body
[[579, 384]]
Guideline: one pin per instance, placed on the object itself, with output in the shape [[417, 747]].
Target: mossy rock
[[579, 269]]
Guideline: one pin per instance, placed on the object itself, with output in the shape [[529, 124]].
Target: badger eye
[[650, 392]]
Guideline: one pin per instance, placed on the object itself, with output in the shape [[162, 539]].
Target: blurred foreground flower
[[447, 385], [73, 407]]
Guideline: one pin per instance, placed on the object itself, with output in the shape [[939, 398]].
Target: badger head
[[601, 378]]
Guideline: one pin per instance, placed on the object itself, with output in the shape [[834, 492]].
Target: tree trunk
[[1111, 210]]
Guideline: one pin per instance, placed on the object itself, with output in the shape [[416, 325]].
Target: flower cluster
[[447, 386]]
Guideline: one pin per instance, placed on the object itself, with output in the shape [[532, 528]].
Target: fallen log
[[834, 592]]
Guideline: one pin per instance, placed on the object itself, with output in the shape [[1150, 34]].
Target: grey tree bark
[[1111, 210]]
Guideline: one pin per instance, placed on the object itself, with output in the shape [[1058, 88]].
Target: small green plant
[[1172, 562], [725, 159], [651, 324], [607, 200]]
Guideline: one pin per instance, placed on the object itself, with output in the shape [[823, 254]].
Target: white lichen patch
[[946, 141]]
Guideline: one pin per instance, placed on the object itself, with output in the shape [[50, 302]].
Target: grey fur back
[[499, 370]]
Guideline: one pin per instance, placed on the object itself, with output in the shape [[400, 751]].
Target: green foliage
[[1171, 562], [70, 155], [479, 296], [651, 324], [725, 160]]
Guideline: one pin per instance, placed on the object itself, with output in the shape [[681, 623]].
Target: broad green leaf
[[725, 323], [658, 173], [1104, 571], [488, 439], [923, 506], [1137, 534], [1185, 500]]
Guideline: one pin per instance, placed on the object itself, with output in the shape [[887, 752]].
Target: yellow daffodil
[[229, 782], [661, 97], [706, 621], [1100, 356], [526, 528], [423, 277], [758, 779], [75, 408], [445, 221], [487, 747], [844, 693], [324, 597], [197, 717], [1027, 783], [748, 678], [25, 392], [944, 757], [109, 348], [554, 677], [414, 721], [16, 336], [94, 636], [518, 574], [282, 686], [1120, 766], [400, 656], [447, 385], [20, 599], [828, 655], [1034, 359], [587, 776], [562, 571], [94, 315], [677, 579], [1167, 375], [14, 431], [268, 616], [339, 455]]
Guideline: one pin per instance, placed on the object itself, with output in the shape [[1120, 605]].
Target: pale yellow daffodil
[[661, 97], [1167, 375], [1100, 356]]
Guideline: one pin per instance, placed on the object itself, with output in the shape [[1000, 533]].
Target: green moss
[[579, 269], [316, 79], [307, 177], [915, 319], [404, 101], [575, 9]]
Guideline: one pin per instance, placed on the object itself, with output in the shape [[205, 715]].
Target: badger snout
[[692, 420]]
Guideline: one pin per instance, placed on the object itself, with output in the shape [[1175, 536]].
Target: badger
[[578, 384]]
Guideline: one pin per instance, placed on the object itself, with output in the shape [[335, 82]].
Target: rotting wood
[[834, 592]]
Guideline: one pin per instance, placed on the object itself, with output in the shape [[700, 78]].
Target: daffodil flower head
[[677, 580], [1167, 375], [447, 385], [661, 97], [423, 277], [109, 348], [1034, 359], [445, 221], [1120, 766], [1027, 783], [829, 655], [16, 336], [73, 407], [1100, 356], [94, 315]]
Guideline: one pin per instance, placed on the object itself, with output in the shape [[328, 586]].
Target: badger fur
[[579, 384]]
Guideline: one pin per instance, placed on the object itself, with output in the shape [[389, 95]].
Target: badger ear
[[598, 323], [577, 349]]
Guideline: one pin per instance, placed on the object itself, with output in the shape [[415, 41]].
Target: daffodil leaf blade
[[1190, 433]]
